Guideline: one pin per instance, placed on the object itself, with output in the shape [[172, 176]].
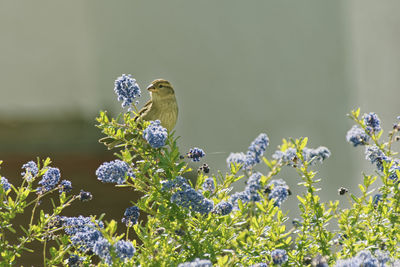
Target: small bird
[[162, 105]]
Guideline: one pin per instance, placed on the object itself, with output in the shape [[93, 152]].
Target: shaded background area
[[286, 68]]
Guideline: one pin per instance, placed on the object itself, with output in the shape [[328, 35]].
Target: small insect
[[342, 191]]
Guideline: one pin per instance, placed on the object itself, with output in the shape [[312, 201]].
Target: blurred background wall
[[286, 68]]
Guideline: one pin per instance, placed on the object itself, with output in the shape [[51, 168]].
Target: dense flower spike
[[6, 185], [357, 136], [49, 180], [287, 157], [279, 194], [316, 155], [155, 134], [209, 185], [65, 186], [365, 258], [376, 156], [75, 261], [114, 172], [126, 89], [223, 208], [187, 197], [102, 249], [131, 216], [31, 170], [82, 231], [236, 158], [372, 122], [196, 263], [279, 256], [124, 249], [196, 153], [252, 156], [258, 147]]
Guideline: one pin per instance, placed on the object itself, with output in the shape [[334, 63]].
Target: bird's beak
[[151, 88]]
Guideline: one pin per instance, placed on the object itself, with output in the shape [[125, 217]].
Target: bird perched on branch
[[162, 105]]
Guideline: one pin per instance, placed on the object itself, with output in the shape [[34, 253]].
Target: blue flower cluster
[[316, 155], [209, 185], [124, 250], [279, 191], [250, 192], [114, 172], [257, 147], [377, 198], [196, 263], [185, 196], [155, 134], [287, 157], [75, 261], [376, 156], [196, 153], [6, 185], [253, 155], [102, 248], [31, 170], [372, 122], [365, 258], [50, 180], [86, 237], [83, 231], [65, 186], [223, 208], [131, 216], [126, 89], [279, 256], [262, 264], [357, 136]]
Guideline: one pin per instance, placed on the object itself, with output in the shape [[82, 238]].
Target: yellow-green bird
[[162, 105]]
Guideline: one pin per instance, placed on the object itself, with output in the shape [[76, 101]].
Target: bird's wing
[[144, 110]]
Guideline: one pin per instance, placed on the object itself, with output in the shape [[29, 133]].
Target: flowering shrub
[[205, 222]]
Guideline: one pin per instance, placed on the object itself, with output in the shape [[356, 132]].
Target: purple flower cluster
[[223, 208], [279, 256], [124, 249], [253, 155], [126, 89], [372, 122], [365, 258], [279, 191], [316, 155], [83, 231], [114, 172], [155, 134], [196, 263], [196, 153], [185, 196], [287, 157], [50, 180], [250, 192], [31, 170], [357, 136], [131, 216], [6, 185], [375, 156], [65, 186], [209, 185]]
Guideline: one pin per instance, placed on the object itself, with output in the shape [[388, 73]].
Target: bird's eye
[[160, 86]]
